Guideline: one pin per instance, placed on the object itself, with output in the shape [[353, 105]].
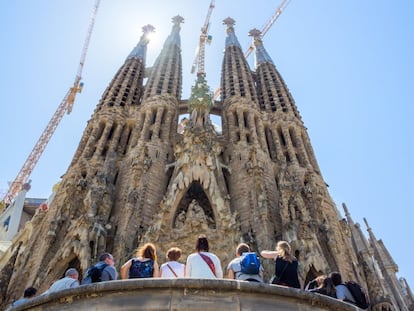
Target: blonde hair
[[147, 251], [283, 250]]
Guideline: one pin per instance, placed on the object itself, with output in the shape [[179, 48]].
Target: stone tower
[[139, 176]]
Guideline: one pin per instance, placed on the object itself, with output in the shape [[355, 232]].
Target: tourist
[[202, 263], [28, 294], [172, 268], [234, 268], [102, 271], [69, 281], [315, 283], [325, 286], [286, 265], [144, 265], [342, 292]]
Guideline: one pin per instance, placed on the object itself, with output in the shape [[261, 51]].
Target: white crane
[[201, 48]]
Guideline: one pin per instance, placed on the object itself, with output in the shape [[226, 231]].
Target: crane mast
[[201, 48], [264, 30], [66, 105]]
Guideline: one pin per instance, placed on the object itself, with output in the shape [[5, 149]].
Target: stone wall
[[184, 294]]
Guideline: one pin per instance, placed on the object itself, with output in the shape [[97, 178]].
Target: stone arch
[[195, 194]]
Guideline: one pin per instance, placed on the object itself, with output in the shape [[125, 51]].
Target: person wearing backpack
[[342, 292], [246, 266], [144, 265], [286, 265], [350, 291], [102, 271]]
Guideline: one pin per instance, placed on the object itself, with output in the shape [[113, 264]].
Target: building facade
[[139, 176]]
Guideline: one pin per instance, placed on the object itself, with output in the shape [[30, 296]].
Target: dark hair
[[174, 253], [202, 244], [329, 287], [336, 278], [242, 248], [105, 256], [29, 292]]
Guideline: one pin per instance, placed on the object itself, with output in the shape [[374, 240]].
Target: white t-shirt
[[178, 268], [196, 267]]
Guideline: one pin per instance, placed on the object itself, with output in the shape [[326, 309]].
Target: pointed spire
[[140, 50], [165, 77], [231, 38], [261, 54], [368, 227], [347, 214], [174, 37]]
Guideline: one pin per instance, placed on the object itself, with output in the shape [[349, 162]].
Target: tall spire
[[261, 54], [276, 97], [165, 77], [140, 50], [231, 38], [236, 76]]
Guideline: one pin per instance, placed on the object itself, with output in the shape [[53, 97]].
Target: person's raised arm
[[268, 254]]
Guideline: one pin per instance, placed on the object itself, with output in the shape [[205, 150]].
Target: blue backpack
[[141, 269], [250, 263]]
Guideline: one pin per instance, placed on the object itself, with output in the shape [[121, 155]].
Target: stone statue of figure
[[195, 211], [180, 221]]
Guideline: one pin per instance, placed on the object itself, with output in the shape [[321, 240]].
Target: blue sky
[[348, 64]]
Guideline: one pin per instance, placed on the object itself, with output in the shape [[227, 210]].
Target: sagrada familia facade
[[141, 175]]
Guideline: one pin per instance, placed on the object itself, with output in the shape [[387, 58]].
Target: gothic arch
[[194, 197]]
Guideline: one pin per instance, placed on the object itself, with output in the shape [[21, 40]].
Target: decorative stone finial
[[256, 34], [148, 29], [177, 20], [229, 22]]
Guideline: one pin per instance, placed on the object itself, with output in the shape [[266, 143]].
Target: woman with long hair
[[144, 265], [286, 265]]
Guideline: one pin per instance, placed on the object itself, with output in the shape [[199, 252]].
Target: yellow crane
[[264, 30], [65, 106]]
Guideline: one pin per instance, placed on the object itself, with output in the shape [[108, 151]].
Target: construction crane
[[65, 106], [198, 62], [264, 30]]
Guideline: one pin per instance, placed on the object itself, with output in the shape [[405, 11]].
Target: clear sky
[[348, 64]]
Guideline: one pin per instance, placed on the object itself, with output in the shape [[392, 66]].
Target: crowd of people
[[201, 264]]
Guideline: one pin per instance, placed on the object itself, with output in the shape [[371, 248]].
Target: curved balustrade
[[183, 294]]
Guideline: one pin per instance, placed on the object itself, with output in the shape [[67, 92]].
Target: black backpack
[[360, 296], [95, 273]]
